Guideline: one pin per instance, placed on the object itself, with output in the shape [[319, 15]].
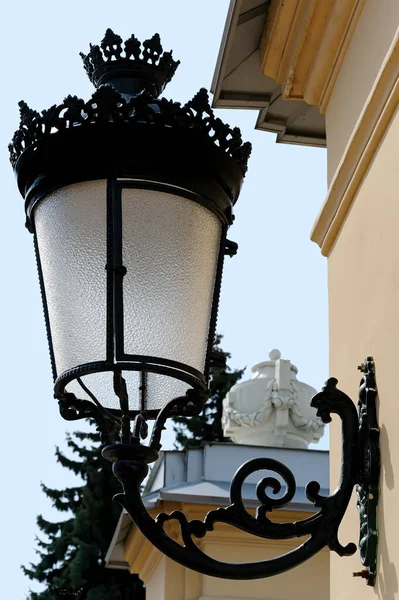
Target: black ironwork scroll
[[360, 468]]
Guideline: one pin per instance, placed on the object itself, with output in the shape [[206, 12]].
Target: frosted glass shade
[[157, 313], [71, 230], [170, 249]]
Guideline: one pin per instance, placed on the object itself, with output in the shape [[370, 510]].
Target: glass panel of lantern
[[167, 247]]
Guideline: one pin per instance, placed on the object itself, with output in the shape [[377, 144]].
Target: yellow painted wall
[[309, 581], [370, 43], [166, 580], [364, 320]]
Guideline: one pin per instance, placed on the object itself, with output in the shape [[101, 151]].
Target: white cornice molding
[[369, 130]]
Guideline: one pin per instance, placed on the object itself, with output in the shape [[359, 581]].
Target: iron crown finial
[[115, 61]]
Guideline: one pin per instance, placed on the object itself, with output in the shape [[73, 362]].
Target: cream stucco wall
[[167, 580], [369, 45], [309, 581], [364, 303], [170, 581]]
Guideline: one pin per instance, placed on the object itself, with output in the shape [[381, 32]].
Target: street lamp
[[129, 198]]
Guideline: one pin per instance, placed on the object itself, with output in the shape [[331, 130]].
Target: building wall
[[364, 300], [369, 45], [309, 581], [363, 266], [167, 580]]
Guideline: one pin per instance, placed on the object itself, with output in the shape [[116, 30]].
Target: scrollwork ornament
[[107, 106], [273, 400], [360, 467], [256, 418], [321, 529], [72, 409]]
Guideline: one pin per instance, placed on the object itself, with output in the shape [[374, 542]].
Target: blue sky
[[274, 291]]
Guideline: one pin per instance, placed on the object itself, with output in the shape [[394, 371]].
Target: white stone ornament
[[273, 408]]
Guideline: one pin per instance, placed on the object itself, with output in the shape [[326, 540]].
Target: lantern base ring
[[360, 445], [148, 364]]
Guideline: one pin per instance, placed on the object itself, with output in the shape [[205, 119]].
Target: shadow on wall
[[387, 580]]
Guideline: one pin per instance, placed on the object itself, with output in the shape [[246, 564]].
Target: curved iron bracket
[[360, 468], [130, 467]]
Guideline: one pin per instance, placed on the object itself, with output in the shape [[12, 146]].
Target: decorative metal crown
[[108, 106], [146, 60]]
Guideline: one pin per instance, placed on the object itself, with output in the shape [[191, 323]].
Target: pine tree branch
[[75, 549], [73, 465]]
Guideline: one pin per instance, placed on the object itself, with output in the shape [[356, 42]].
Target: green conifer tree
[[192, 432], [72, 554]]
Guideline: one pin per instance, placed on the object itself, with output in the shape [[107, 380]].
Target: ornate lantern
[[129, 198]]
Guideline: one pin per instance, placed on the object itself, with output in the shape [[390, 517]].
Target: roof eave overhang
[[282, 59]]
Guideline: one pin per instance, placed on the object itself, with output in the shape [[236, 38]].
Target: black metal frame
[[143, 138], [131, 67], [119, 270], [360, 467], [117, 360], [368, 487], [44, 304]]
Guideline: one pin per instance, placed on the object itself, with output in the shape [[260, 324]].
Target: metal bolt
[[363, 574]]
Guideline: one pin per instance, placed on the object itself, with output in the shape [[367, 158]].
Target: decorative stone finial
[[273, 408], [130, 66]]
